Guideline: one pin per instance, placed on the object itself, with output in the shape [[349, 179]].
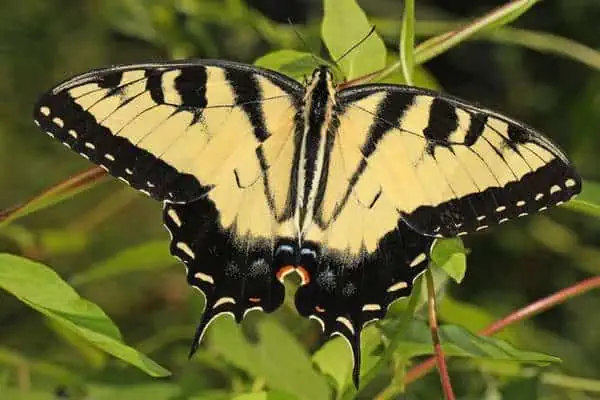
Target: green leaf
[[151, 255], [42, 289], [471, 317], [407, 41], [344, 26], [94, 357], [286, 364], [229, 342], [295, 64], [405, 318], [584, 207], [451, 256], [335, 359], [271, 395], [588, 201], [494, 19], [508, 13], [278, 358], [415, 340]]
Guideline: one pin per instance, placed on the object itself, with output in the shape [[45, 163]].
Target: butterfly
[[262, 176]]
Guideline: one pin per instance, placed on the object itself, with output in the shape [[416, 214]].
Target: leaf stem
[[435, 338], [54, 194], [407, 41]]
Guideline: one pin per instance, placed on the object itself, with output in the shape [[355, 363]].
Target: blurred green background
[[43, 42]]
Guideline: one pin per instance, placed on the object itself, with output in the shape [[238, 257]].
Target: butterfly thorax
[[317, 116]]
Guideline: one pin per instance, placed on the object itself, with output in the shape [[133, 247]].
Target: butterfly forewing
[[170, 130], [451, 168]]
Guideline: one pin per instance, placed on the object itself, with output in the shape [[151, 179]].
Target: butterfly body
[[261, 177]]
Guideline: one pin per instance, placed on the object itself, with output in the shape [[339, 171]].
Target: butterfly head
[[322, 81]]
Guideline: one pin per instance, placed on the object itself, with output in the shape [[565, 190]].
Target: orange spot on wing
[[284, 271], [319, 309], [304, 275], [254, 299]]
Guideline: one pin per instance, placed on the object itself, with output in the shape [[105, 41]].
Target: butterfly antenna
[[361, 41], [304, 43]]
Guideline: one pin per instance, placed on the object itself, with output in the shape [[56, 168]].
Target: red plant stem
[[435, 337], [532, 309], [81, 179]]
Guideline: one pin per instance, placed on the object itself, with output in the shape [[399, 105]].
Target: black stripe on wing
[[89, 112], [78, 130], [449, 144]]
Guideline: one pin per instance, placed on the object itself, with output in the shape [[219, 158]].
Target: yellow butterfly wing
[[171, 130], [448, 167]]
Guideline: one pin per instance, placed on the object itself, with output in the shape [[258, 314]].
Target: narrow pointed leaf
[[407, 41], [588, 201], [415, 340]]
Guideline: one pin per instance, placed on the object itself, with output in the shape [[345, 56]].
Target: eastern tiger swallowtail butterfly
[[261, 176]]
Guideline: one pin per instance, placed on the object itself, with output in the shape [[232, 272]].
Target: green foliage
[[344, 25], [147, 256], [42, 289], [416, 341], [451, 256], [279, 357], [293, 63]]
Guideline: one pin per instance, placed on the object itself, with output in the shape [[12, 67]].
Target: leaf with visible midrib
[[41, 288], [415, 340], [345, 25]]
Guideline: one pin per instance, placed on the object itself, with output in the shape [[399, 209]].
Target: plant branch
[[54, 194], [435, 338], [532, 309], [437, 45]]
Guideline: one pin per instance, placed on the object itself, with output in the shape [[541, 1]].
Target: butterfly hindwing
[[345, 291], [169, 129], [449, 167], [236, 274]]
